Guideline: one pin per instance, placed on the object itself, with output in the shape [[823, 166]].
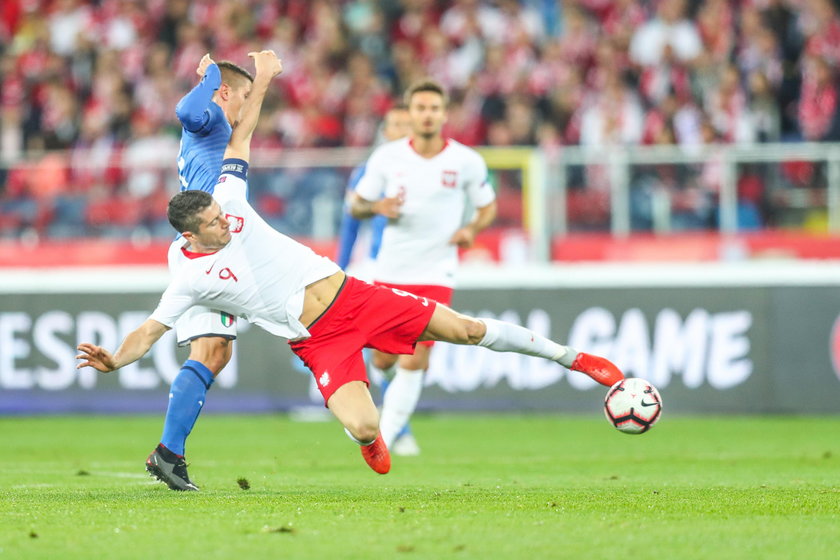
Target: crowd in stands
[[90, 86]]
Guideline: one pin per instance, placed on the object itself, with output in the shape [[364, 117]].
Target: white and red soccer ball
[[633, 406]]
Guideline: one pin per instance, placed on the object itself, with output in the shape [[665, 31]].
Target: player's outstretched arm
[[192, 109], [134, 347], [267, 67]]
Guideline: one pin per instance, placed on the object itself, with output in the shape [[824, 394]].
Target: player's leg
[[334, 356], [187, 395], [449, 326], [209, 354], [353, 406], [381, 368], [403, 393], [383, 361]]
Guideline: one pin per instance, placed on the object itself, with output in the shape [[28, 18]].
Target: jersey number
[[422, 300]]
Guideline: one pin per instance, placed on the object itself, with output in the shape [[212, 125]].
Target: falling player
[[207, 114], [426, 181], [242, 266]]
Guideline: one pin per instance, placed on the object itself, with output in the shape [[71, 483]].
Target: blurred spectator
[[141, 159], [614, 117], [821, 27], [670, 28], [818, 105], [763, 108], [89, 76], [728, 110]]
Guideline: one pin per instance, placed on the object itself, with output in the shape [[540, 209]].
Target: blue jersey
[[204, 136], [350, 227]]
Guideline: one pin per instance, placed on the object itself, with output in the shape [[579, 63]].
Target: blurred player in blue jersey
[[356, 233], [207, 114]]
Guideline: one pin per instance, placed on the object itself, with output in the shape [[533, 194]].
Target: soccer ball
[[633, 406]]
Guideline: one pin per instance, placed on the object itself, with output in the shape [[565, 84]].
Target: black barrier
[[709, 349]]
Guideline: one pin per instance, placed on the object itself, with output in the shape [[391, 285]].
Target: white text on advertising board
[[39, 352], [701, 348]]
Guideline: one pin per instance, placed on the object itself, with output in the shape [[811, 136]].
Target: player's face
[[397, 124], [427, 113], [214, 231]]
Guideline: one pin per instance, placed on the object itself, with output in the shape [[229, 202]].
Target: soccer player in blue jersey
[[207, 114]]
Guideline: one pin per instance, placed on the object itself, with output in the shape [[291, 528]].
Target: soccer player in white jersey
[[206, 114], [242, 266], [427, 181]]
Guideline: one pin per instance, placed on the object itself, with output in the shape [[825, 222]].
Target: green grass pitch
[[484, 487]]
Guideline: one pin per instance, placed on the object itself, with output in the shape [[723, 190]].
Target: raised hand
[[266, 63], [205, 62]]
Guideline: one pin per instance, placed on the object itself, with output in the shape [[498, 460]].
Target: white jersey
[[415, 247], [260, 275]]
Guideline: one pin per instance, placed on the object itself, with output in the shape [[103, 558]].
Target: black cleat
[[169, 468]]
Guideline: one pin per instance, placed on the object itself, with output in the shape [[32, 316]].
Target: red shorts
[[361, 316], [440, 294]]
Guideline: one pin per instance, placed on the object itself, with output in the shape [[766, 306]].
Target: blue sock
[[186, 397]]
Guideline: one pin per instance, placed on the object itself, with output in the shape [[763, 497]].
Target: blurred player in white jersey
[[423, 184], [240, 265]]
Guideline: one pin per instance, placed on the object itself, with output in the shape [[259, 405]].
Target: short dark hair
[[184, 209], [233, 74], [426, 84]]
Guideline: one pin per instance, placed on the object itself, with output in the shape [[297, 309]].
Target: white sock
[[362, 443], [507, 337], [399, 402]]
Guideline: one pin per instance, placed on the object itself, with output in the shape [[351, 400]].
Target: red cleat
[[600, 369], [376, 455]]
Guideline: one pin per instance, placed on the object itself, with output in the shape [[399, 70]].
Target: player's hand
[[463, 238], [266, 63], [96, 357], [388, 207], [205, 62]]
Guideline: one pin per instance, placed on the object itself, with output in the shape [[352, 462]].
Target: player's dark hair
[[184, 209], [426, 84], [233, 74]]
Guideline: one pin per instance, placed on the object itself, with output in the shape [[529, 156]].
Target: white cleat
[[406, 446]]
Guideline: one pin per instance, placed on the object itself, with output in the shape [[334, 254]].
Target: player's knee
[[474, 330], [383, 361], [363, 430], [213, 353]]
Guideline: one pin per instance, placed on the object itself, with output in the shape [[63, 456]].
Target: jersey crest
[[449, 179], [236, 223]]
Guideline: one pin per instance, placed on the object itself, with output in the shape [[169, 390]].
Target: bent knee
[[384, 361], [475, 331], [469, 331], [364, 431]]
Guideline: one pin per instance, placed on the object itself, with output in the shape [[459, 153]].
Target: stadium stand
[[89, 87]]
